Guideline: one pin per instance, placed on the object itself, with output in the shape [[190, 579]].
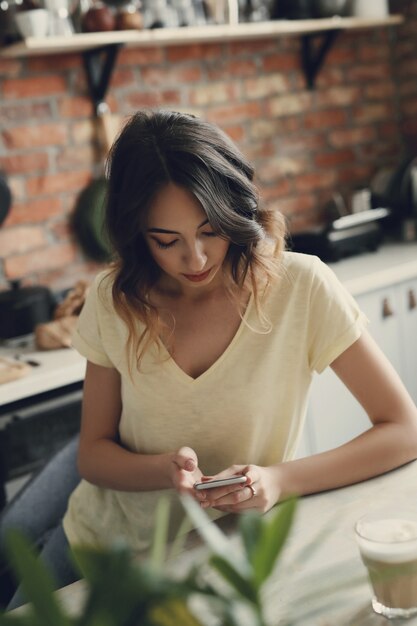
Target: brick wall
[[305, 144]]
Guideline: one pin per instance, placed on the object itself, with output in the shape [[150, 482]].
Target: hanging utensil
[[89, 212], [5, 198]]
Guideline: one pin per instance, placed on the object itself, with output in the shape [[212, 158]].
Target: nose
[[196, 257]]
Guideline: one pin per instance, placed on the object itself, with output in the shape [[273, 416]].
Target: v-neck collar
[[186, 378]]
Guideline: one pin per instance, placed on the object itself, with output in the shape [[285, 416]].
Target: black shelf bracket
[[98, 65], [313, 55]]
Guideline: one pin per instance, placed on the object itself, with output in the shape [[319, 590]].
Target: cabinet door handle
[[412, 300], [387, 310]]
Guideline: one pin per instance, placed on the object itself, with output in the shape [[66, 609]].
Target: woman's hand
[[185, 472], [261, 491]]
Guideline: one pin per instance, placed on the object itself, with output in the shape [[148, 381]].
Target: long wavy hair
[[159, 147]]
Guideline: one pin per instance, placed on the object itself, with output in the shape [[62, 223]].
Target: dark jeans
[[37, 511]]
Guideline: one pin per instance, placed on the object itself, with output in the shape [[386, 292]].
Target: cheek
[[164, 258]]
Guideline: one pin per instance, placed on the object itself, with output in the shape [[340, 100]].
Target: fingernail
[[189, 465]]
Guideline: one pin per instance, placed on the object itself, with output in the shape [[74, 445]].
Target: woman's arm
[[389, 443], [104, 462]]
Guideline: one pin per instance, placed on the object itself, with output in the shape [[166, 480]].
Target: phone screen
[[220, 482]]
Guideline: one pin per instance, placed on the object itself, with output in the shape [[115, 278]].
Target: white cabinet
[[334, 416], [408, 335]]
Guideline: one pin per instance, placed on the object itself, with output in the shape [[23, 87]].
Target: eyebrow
[[173, 232]]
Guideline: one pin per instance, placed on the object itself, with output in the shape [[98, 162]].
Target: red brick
[[305, 222], [356, 175], [314, 181], [289, 104], [194, 52], [299, 204], [351, 136], [23, 111], [334, 158], [366, 72], [10, 67], [260, 150], [280, 63], [373, 112], [276, 191], [33, 87], [123, 77], [325, 119], [236, 132], [21, 239], [235, 112], [380, 91], [44, 259], [373, 52], [46, 63], [328, 77], [279, 166], [75, 106], [171, 75], [232, 67], [251, 47], [213, 93], [35, 210], [28, 162], [76, 157], [141, 56], [153, 99], [58, 183], [36, 136], [337, 96], [267, 127], [265, 86]]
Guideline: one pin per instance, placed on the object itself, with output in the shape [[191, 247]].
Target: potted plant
[[228, 587]]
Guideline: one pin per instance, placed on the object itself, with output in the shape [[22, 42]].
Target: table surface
[[330, 586]]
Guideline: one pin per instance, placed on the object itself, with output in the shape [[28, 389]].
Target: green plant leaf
[[274, 531], [174, 612], [37, 583], [159, 544], [116, 587], [240, 584], [250, 525], [8, 619], [213, 536]]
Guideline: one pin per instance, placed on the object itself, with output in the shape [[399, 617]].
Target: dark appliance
[[345, 236], [21, 308]]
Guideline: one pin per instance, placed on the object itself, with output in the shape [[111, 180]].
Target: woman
[[201, 341]]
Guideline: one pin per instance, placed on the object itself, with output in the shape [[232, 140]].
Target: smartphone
[[221, 482]]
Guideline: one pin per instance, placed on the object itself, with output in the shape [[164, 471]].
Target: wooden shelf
[[191, 34]]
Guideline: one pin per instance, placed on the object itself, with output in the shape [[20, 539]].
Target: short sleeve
[[87, 338], [335, 320]]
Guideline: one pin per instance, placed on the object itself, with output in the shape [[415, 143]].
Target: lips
[[196, 278]]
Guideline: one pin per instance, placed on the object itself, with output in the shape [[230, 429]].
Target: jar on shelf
[[98, 18], [129, 16]]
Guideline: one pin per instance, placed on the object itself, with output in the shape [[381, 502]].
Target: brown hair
[[160, 147]]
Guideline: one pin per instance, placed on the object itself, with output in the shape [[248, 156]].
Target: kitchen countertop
[[393, 262], [336, 555], [57, 368]]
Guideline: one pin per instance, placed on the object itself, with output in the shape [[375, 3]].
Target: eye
[[210, 234], [163, 245]]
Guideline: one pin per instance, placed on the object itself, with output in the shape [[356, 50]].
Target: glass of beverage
[[387, 542]]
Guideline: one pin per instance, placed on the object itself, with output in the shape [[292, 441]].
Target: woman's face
[[182, 242]]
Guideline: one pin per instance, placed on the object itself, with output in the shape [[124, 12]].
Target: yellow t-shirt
[[248, 407]]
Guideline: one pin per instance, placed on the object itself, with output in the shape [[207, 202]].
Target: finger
[[186, 459], [233, 498]]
